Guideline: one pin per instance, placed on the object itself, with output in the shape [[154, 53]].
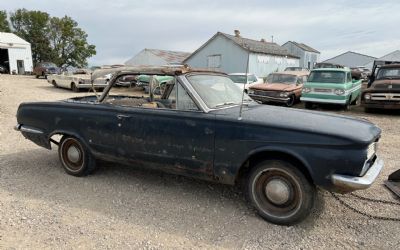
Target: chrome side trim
[[352, 183], [26, 129]]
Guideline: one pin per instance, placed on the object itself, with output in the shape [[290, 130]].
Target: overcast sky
[[122, 28]]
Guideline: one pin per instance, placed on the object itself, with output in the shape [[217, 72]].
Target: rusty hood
[[391, 85], [275, 86]]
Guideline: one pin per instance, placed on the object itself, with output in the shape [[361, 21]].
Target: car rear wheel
[[291, 101], [356, 101], [74, 88], [75, 157], [280, 192]]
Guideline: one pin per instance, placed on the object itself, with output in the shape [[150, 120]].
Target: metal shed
[[15, 54], [229, 53], [351, 59], [157, 57], [392, 56]]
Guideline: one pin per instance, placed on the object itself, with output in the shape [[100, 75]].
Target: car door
[[178, 138]]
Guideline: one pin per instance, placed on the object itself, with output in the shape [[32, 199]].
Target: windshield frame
[[296, 77], [344, 73], [380, 77], [196, 96]]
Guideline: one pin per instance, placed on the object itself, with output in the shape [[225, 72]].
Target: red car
[[45, 68]]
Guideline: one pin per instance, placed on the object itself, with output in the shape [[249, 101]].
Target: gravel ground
[[121, 207]]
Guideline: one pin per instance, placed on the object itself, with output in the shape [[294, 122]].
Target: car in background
[[328, 65], [360, 73], [76, 80], [296, 69], [331, 86], [240, 80], [160, 83], [383, 91], [3, 70], [43, 69], [282, 87]]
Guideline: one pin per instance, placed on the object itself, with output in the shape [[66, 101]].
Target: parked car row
[[333, 84]]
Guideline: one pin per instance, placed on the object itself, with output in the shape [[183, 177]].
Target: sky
[[122, 28]]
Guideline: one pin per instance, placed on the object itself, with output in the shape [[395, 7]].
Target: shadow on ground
[[139, 196]]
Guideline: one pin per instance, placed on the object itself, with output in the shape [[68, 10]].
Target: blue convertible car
[[200, 127]]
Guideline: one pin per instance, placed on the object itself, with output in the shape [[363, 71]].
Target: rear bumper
[[319, 100], [346, 183], [269, 98], [36, 135]]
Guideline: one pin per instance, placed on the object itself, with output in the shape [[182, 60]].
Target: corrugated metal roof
[[10, 39], [351, 59], [259, 46], [304, 47], [172, 57], [392, 56]]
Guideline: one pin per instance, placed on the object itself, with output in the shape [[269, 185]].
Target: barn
[[233, 53], [15, 54]]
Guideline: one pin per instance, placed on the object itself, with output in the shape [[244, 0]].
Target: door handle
[[120, 116]]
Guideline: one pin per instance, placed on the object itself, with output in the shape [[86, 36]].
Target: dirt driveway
[[123, 207]]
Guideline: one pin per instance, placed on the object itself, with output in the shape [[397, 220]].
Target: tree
[[68, 42], [33, 27], [54, 39], [4, 24]]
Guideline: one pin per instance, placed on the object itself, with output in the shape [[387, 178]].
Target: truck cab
[[331, 86], [383, 91]]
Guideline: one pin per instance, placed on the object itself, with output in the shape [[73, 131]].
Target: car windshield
[[281, 78], [388, 73], [217, 91], [242, 78], [327, 77]]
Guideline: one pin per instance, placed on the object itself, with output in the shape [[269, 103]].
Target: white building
[[232, 53], [15, 53]]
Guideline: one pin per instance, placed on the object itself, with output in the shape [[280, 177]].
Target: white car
[[76, 81], [240, 80]]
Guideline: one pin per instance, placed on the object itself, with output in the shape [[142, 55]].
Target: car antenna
[[244, 87]]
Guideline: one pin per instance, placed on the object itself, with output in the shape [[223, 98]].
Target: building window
[[214, 61]]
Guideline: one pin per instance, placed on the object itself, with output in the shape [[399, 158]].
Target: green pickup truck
[[331, 85]]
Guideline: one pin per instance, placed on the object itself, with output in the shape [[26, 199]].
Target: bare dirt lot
[[123, 207]]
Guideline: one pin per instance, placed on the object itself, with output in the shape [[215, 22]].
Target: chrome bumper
[[319, 100], [269, 98], [348, 183], [27, 129]]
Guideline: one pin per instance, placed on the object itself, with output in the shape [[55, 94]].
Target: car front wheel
[[291, 101], [280, 192], [75, 157]]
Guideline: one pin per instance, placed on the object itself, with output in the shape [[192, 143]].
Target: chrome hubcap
[[73, 154], [277, 191]]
